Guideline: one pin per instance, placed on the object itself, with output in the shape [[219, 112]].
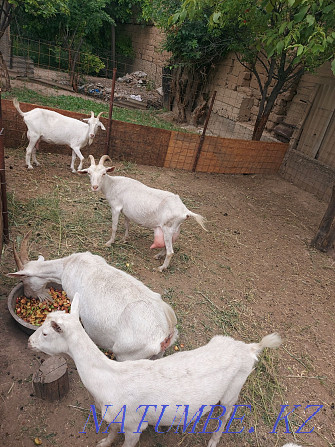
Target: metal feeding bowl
[[15, 293]]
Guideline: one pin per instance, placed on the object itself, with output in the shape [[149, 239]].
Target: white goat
[[159, 210], [52, 127], [118, 312], [199, 378]]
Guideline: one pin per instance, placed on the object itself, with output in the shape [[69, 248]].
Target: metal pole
[[111, 103], [202, 137], [3, 181]]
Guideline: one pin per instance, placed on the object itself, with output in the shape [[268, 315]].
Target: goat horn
[[24, 248], [103, 159], [92, 114], [18, 261], [100, 113], [22, 258], [92, 160]]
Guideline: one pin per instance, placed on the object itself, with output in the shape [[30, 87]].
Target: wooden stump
[[51, 381]]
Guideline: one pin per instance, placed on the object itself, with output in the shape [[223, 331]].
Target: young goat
[[153, 392], [52, 127], [118, 312], [159, 210]]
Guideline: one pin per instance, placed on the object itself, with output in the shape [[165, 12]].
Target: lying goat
[[52, 127], [159, 210], [199, 378], [118, 312]]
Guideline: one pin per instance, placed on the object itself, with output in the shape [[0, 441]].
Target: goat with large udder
[[154, 393], [52, 127], [152, 208], [118, 312]]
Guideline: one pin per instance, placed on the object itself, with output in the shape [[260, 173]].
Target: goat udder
[[158, 238]]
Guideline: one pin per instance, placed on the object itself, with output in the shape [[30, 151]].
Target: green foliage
[[91, 63], [283, 38], [302, 30], [41, 8], [189, 40]]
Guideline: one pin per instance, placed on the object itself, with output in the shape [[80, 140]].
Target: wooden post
[[4, 210], [110, 119], [325, 236], [51, 381]]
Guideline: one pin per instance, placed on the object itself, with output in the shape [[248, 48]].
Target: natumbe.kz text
[[189, 422]]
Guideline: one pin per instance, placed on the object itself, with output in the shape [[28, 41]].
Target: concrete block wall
[[238, 95], [147, 45]]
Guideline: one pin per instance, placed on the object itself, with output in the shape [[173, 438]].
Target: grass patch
[[81, 105]]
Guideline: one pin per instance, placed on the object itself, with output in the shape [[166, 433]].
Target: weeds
[[77, 104]]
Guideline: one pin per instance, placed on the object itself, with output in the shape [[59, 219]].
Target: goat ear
[[110, 169], [102, 126], [56, 327], [86, 119], [83, 171], [75, 305]]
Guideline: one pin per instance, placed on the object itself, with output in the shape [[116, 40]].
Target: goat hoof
[[161, 269], [30, 167]]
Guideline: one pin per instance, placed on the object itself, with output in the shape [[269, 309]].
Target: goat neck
[[92, 365]]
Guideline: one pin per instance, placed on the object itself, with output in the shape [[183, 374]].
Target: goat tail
[[17, 106], [269, 341], [200, 219]]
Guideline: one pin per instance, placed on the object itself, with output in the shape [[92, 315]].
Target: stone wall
[[148, 56], [237, 101]]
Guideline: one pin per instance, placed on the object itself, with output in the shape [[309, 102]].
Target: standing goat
[[118, 312], [159, 210], [154, 393], [52, 127]]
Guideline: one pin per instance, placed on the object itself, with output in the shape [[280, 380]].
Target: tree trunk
[[5, 80], [51, 381], [325, 237], [74, 75], [260, 126]]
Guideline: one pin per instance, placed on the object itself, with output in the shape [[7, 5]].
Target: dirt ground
[[251, 274]]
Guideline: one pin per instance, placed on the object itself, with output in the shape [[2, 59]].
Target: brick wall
[[159, 147]]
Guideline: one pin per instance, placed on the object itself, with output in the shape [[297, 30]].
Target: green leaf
[[328, 9], [282, 28], [300, 50], [333, 66], [280, 46], [310, 19], [269, 7], [175, 18], [301, 14], [216, 17]]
